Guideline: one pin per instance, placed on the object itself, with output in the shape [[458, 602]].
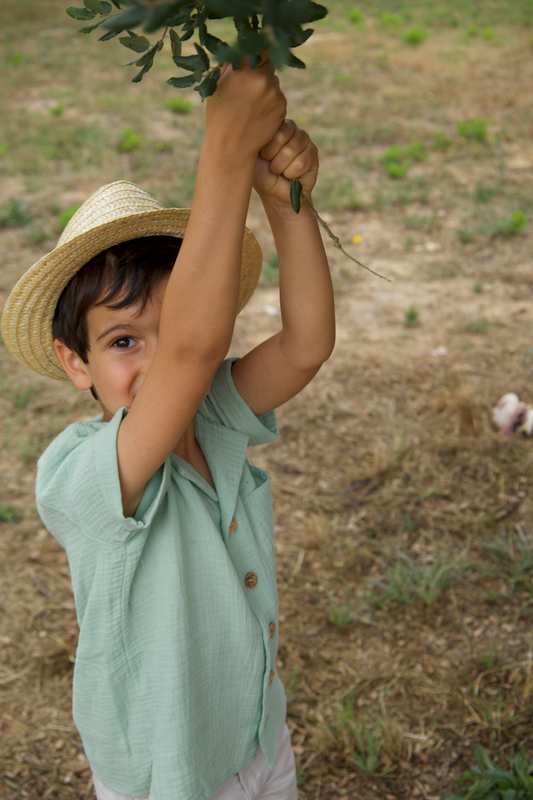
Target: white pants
[[254, 782]]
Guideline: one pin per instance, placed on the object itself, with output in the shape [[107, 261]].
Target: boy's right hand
[[247, 108]]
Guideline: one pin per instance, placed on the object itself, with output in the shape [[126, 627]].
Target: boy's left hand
[[290, 154]]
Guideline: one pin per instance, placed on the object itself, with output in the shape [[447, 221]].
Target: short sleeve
[[224, 405], [77, 477]]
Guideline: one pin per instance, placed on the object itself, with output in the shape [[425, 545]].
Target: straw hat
[[113, 214]]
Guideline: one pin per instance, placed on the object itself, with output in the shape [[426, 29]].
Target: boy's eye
[[124, 342]]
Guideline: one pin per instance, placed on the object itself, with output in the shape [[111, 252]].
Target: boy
[[167, 526]]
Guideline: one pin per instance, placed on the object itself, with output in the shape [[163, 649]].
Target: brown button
[[266, 722], [272, 629], [271, 677], [250, 580], [233, 527]]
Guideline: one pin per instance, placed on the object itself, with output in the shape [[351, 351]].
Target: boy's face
[[122, 344]]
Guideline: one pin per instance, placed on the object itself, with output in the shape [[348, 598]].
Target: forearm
[[306, 293], [201, 299]]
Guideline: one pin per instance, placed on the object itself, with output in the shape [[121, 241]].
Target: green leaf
[[232, 8], [116, 3], [190, 63], [127, 19], [92, 5], [105, 7], [296, 191], [159, 17], [137, 78], [214, 44], [293, 61], [90, 28], [182, 83], [208, 85], [109, 35], [299, 36], [318, 12], [178, 19], [175, 43], [202, 33], [202, 55], [255, 60], [136, 43], [80, 13], [482, 759]]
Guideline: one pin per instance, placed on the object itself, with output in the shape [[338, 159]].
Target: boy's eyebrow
[[120, 326]]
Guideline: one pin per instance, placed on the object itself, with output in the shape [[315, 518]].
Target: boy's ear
[[73, 365]]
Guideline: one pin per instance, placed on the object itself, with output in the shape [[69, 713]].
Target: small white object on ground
[[272, 311], [510, 415]]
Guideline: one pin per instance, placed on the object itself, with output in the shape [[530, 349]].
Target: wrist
[[284, 210]]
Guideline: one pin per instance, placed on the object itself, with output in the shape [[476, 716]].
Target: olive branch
[[260, 25]]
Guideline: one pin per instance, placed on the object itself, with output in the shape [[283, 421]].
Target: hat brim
[[28, 314]]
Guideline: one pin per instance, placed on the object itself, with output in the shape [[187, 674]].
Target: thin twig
[[336, 241]]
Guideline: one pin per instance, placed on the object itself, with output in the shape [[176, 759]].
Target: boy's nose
[[136, 385]]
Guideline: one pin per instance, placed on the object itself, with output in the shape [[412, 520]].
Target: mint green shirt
[[175, 684]]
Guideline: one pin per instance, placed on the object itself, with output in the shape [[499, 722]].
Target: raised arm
[[200, 302], [281, 366]]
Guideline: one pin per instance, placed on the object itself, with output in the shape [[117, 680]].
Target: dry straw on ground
[[403, 518]]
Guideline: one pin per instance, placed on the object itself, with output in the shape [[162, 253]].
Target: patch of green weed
[[478, 326], [490, 781], [512, 226], [356, 17], [270, 272], [465, 235], [363, 742], [340, 614], [405, 581], [485, 192], [390, 20], [442, 142], [397, 160], [411, 316], [8, 513], [21, 397], [513, 551], [478, 288], [415, 36], [293, 680], [475, 129], [13, 214], [29, 452], [64, 217], [179, 105], [489, 658], [129, 141], [489, 35], [417, 221], [416, 152]]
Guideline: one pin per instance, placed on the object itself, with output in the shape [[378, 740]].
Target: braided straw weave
[[115, 213]]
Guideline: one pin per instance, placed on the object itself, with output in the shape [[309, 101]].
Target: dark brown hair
[[121, 276]]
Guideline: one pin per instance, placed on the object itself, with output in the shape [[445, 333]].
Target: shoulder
[[77, 462]]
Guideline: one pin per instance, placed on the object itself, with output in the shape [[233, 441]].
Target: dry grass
[[403, 519]]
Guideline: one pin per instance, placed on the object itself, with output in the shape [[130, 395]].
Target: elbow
[[311, 357]]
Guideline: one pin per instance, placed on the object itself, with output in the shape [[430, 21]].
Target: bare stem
[[336, 241]]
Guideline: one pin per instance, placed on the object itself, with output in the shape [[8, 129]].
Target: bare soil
[[389, 459]]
